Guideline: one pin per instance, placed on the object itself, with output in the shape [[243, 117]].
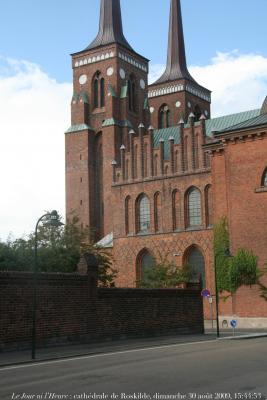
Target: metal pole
[[35, 283], [217, 296]]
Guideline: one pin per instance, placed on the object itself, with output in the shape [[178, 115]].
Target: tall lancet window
[[164, 117], [132, 93], [98, 90]]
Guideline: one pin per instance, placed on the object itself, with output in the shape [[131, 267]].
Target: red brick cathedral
[[149, 169]]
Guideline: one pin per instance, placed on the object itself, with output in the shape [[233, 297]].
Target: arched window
[[98, 90], [131, 93], [208, 205], [143, 214], [168, 122], [196, 152], [164, 117], [135, 160], [96, 93], [144, 262], [127, 170], [161, 119], [102, 92], [176, 210], [176, 161], [264, 178], [156, 165], [193, 203], [196, 264], [128, 215], [185, 153], [145, 159], [157, 212]]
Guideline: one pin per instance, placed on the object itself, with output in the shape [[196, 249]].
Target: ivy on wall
[[233, 271]]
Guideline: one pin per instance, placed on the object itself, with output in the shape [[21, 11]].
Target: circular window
[[110, 71], [83, 79]]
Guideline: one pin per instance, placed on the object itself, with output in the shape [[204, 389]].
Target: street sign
[[210, 300], [205, 293], [233, 323]]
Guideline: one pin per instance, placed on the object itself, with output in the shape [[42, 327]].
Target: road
[[207, 368]]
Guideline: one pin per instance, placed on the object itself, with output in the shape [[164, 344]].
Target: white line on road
[[36, 364]]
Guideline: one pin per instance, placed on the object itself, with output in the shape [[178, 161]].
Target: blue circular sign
[[205, 293], [233, 323]]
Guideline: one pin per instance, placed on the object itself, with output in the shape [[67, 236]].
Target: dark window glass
[[96, 93], [147, 262], [161, 119], [168, 119], [194, 208], [196, 263], [264, 180], [102, 92]]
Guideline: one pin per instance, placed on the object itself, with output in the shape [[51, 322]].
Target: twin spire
[[111, 31], [176, 60], [110, 26]]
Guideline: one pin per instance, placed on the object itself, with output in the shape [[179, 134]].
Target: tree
[[164, 274], [59, 250]]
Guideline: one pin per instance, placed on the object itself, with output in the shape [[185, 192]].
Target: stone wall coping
[[136, 292]]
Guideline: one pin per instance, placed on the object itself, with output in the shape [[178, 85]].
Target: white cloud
[[34, 113], [238, 81]]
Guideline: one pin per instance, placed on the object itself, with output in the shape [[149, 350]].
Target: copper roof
[[110, 26], [176, 61]]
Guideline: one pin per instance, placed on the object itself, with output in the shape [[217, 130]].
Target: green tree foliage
[[243, 269], [164, 275], [221, 245], [59, 250], [232, 271]]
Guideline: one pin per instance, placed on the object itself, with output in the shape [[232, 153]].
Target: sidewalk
[[78, 350]]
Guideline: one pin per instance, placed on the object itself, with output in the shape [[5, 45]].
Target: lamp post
[[51, 219], [226, 253]]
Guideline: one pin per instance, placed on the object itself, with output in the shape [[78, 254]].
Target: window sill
[[143, 233], [261, 189], [195, 228]]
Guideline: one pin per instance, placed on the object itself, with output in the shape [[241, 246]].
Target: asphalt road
[[215, 370]]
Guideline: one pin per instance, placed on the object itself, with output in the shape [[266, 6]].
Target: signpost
[[233, 325], [206, 294]]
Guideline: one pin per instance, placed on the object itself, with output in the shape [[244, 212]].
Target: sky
[[226, 52]]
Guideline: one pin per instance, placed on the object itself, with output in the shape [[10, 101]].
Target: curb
[[238, 337]]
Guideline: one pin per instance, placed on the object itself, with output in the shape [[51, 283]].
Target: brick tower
[[109, 98], [175, 95]]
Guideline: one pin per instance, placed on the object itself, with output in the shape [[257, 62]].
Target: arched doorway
[[195, 261]]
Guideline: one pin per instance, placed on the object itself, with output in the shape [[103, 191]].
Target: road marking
[[34, 364]]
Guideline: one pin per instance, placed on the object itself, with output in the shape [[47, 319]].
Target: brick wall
[[70, 310]]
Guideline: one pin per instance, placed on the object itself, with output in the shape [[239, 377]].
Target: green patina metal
[[84, 96], [165, 134], [124, 91], [79, 128], [115, 122], [251, 123], [221, 123], [111, 91], [75, 96], [146, 104]]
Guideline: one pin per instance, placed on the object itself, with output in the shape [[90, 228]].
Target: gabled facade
[[149, 167]]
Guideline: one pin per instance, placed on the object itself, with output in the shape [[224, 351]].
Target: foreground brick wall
[[69, 310]]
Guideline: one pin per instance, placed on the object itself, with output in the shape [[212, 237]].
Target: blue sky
[[226, 52], [46, 32]]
